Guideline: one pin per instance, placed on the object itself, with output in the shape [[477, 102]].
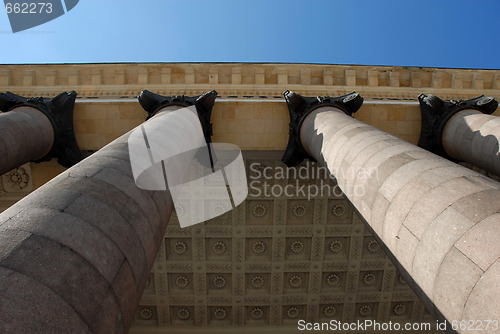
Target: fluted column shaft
[[439, 220], [75, 254], [472, 136], [26, 134]]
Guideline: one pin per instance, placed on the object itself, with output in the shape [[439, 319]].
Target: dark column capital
[[59, 110], [436, 113], [204, 103], [299, 107]]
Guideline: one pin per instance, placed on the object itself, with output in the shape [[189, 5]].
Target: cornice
[[248, 80]]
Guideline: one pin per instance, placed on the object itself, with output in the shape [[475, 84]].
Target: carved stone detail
[[436, 113], [18, 181], [300, 107], [152, 103], [214, 273], [59, 111]]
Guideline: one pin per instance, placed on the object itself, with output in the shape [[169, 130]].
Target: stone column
[[438, 220], [37, 129], [462, 130], [26, 134], [75, 254]]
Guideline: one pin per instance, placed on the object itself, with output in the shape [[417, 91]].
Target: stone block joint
[[436, 113], [152, 103], [59, 110], [299, 107]]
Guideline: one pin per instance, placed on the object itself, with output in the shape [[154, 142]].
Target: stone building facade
[[277, 258]]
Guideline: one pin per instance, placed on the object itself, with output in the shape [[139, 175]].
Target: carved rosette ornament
[[292, 312], [295, 281], [259, 210], [218, 210], [219, 248], [329, 311], [219, 282], [181, 281], [365, 310], [369, 279], [297, 246], [373, 246], [146, 313], [257, 281], [336, 246], [259, 247], [220, 313], [332, 280], [17, 179], [257, 313], [180, 247], [299, 210], [183, 314], [399, 309], [338, 210]]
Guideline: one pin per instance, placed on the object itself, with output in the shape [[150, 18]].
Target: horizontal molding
[[115, 80]]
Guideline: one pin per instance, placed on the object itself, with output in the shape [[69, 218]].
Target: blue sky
[[435, 33]]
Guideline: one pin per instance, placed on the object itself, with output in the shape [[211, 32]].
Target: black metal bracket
[[299, 107], [436, 113], [59, 110], [204, 103]]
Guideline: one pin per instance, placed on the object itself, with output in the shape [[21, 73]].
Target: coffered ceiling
[[274, 260]]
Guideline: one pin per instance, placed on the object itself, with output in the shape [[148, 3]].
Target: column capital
[[299, 107], [59, 110], [152, 103], [436, 113]]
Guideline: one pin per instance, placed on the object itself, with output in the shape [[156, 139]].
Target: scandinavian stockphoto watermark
[[204, 180], [374, 325], [307, 181], [26, 14], [369, 325]]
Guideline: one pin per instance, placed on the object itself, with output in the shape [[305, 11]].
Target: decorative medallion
[[219, 282], [220, 313], [369, 279], [219, 248], [17, 179], [330, 311], [297, 246], [373, 246], [183, 314], [259, 247], [295, 281], [332, 280], [365, 310], [146, 313], [181, 281], [336, 246], [180, 247], [299, 210], [218, 210], [257, 313], [401, 279], [292, 312], [257, 281], [338, 210], [400, 309], [259, 210]]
